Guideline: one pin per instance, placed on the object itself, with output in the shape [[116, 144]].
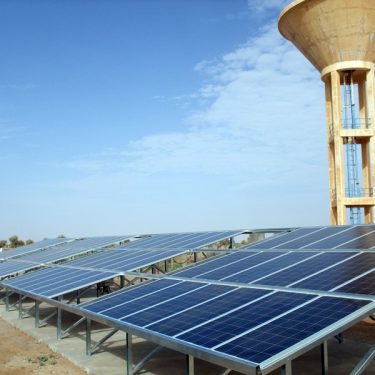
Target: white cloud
[[262, 134], [264, 5]]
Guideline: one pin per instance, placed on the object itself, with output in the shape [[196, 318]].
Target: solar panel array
[[187, 241], [102, 265], [322, 238], [254, 307], [55, 253], [36, 246], [258, 304]]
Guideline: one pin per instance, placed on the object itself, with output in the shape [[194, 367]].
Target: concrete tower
[[338, 38]]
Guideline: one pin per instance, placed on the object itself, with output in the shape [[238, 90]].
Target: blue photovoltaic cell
[[165, 309], [180, 240], [57, 281], [269, 243], [120, 260], [311, 238], [126, 308], [212, 271], [286, 260], [240, 321], [279, 335], [11, 267], [125, 295], [363, 285], [342, 238], [340, 273], [214, 263], [69, 249], [247, 263], [36, 246], [365, 242], [304, 269], [209, 310]]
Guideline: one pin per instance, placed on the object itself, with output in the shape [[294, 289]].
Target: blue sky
[[144, 116]]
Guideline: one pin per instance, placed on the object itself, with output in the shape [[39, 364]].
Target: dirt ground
[[20, 354]]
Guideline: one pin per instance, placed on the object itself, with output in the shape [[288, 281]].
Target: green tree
[[3, 243], [29, 242]]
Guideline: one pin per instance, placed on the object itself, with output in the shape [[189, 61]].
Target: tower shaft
[[338, 38]]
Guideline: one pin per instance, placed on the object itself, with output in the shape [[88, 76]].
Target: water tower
[[338, 38]]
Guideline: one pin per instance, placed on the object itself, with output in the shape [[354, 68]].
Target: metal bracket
[[365, 362], [145, 359], [102, 341], [74, 325]]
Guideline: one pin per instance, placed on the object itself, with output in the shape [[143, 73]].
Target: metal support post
[[59, 319], [20, 306], [189, 365], [88, 336], [231, 242], [166, 266], [37, 303], [129, 354], [287, 368], [6, 299], [78, 297], [122, 281], [324, 357], [195, 257]]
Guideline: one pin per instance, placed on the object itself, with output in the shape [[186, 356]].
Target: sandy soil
[[20, 354]]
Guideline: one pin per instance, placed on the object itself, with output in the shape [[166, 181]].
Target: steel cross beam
[[365, 362], [103, 340]]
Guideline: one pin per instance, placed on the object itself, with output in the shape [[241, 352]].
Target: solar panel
[[304, 269], [277, 240], [36, 246], [342, 238], [123, 261], [340, 274], [181, 240], [73, 248], [362, 285], [52, 282], [312, 238], [12, 267], [283, 333], [250, 325]]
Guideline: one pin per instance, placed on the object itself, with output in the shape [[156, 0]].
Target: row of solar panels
[[251, 307], [254, 307], [323, 238], [131, 255]]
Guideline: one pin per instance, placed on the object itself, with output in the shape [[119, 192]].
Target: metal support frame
[[145, 359], [74, 325], [227, 371], [122, 281], [365, 362], [340, 338], [103, 340], [287, 368], [43, 322], [189, 365], [59, 319], [37, 310], [166, 266], [155, 267], [324, 357], [129, 354], [88, 336], [78, 296]]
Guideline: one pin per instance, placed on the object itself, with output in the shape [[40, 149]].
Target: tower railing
[[359, 193], [356, 123]]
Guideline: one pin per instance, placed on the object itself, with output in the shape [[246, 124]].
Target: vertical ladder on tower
[[349, 117]]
